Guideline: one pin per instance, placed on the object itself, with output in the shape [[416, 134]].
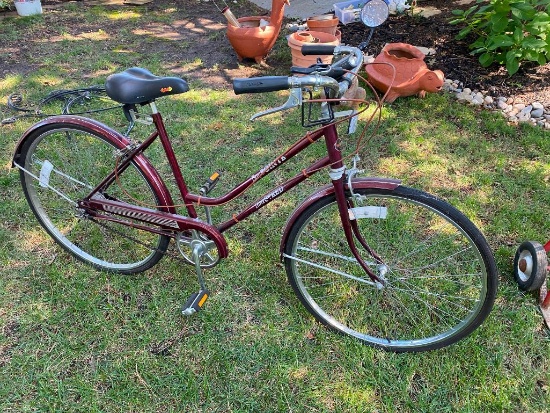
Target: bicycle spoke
[[61, 165]]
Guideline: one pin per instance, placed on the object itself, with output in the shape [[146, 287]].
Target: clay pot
[[296, 41], [305, 37], [411, 76], [251, 40], [326, 23]]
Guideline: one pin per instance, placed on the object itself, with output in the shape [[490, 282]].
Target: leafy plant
[[6, 4], [509, 31]]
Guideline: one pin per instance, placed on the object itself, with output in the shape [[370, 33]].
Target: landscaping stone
[[502, 105], [537, 113], [534, 113]]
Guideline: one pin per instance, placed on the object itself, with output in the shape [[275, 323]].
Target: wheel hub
[[525, 265]]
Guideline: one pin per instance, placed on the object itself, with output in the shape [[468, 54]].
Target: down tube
[[266, 199]]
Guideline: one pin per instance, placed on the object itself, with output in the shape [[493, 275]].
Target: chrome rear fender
[[114, 137]]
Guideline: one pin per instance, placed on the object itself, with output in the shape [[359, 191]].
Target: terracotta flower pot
[[305, 37], [326, 23], [250, 40], [254, 39], [410, 77], [295, 41]]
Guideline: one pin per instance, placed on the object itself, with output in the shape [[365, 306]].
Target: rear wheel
[[439, 276], [67, 162]]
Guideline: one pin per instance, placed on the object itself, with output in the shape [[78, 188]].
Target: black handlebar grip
[[318, 49], [260, 84]]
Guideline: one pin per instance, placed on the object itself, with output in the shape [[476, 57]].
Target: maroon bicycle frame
[[334, 158], [170, 221], [165, 219]]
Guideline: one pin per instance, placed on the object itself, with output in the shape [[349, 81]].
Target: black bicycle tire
[[424, 199]]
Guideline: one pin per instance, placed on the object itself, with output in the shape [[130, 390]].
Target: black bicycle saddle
[[138, 85]]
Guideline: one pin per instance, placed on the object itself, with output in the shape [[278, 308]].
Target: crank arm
[[295, 99]]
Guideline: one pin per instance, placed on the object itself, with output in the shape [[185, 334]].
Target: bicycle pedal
[[195, 302], [210, 183]]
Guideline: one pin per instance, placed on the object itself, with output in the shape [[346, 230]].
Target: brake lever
[[353, 119], [295, 99]]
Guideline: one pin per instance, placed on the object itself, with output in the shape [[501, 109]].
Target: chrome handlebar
[[318, 78]]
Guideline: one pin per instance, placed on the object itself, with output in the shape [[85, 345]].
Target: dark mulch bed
[[530, 84]]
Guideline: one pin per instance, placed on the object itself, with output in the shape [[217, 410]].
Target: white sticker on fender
[[368, 212], [45, 172]]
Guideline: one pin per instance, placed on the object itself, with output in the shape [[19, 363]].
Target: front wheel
[[438, 274]]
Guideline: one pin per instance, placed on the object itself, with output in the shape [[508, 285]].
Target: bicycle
[[392, 266]]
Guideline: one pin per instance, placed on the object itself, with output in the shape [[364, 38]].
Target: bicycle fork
[[351, 228]]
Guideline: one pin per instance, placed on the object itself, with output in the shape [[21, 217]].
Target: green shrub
[[509, 31], [6, 4]]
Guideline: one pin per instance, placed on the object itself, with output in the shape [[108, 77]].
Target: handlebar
[[317, 49], [275, 83], [341, 72], [260, 84], [337, 77]]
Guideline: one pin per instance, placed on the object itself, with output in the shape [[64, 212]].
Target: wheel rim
[[475, 301], [525, 266]]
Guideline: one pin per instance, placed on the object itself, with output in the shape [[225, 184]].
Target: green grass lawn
[[77, 340]]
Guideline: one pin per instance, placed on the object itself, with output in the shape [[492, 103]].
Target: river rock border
[[534, 113]]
